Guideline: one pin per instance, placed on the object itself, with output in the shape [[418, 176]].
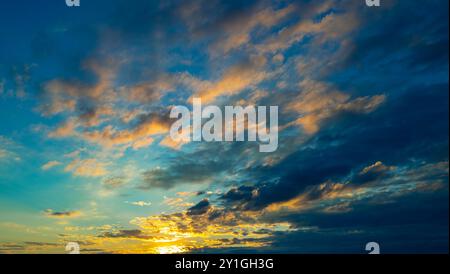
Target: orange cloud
[[319, 101], [332, 26], [234, 80], [377, 167], [50, 165], [237, 31], [137, 137], [87, 168]]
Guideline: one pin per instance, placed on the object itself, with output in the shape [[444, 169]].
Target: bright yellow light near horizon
[[171, 249]]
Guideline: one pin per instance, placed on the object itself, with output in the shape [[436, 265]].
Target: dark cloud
[[195, 172], [200, 208], [61, 214], [11, 247], [205, 164], [41, 244], [396, 133], [400, 227], [131, 233], [239, 193]]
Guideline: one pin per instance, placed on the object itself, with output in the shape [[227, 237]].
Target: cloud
[[138, 137], [131, 233], [9, 150], [140, 203], [11, 247], [182, 171], [376, 168], [62, 214], [337, 197], [177, 144], [318, 102], [114, 182], [141, 143], [21, 76], [177, 202], [200, 208], [206, 225], [65, 130], [65, 96], [241, 76], [148, 92], [240, 194], [95, 112], [236, 29], [28, 247], [41, 244], [318, 21], [216, 229], [50, 165], [87, 168]]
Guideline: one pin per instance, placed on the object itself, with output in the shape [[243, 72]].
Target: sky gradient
[[86, 156]]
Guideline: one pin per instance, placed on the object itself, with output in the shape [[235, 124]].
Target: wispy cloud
[[62, 214], [50, 165]]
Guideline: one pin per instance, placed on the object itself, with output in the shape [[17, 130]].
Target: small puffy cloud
[[50, 165], [200, 208], [140, 203], [378, 167], [374, 172], [86, 168], [240, 194], [64, 130], [176, 202]]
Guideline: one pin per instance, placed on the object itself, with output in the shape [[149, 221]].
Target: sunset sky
[[86, 156]]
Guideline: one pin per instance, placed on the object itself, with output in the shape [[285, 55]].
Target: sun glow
[[171, 249]]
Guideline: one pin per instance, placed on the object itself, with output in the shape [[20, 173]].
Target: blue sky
[[86, 156]]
